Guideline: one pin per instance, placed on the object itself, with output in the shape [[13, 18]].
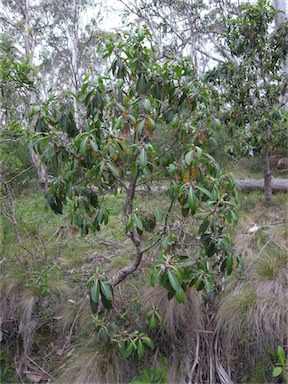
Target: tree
[[254, 89], [56, 43], [114, 150], [15, 83], [17, 18], [188, 28], [69, 37]]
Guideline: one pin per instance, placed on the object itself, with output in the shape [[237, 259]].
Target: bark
[[281, 6], [42, 174], [128, 210], [249, 185], [267, 175], [279, 18]]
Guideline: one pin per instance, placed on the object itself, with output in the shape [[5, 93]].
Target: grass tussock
[[252, 316], [95, 363], [177, 335], [177, 318], [29, 294]]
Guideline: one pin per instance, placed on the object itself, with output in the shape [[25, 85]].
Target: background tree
[[187, 28], [15, 83], [254, 89]]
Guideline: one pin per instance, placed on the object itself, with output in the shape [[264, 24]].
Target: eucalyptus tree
[[15, 85], [254, 88], [189, 28], [70, 49], [55, 37], [22, 21]]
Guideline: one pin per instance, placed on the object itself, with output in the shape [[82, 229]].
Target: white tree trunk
[[279, 18], [281, 5], [42, 174]]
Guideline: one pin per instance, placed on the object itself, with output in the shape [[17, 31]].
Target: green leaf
[[217, 124], [165, 242], [229, 264], [106, 303], [173, 281], [205, 191], [95, 291], [207, 283], [180, 296], [106, 289], [138, 222], [277, 371], [281, 355], [142, 83], [140, 126], [175, 121], [140, 350], [204, 226], [83, 145], [192, 200], [113, 169], [240, 261], [146, 340], [185, 211], [100, 216], [128, 351], [147, 105], [152, 323], [143, 158], [189, 157], [129, 223], [158, 215], [93, 306]]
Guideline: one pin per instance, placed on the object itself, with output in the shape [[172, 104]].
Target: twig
[[19, 174], [68, 340], [38, 366], [196, 361]]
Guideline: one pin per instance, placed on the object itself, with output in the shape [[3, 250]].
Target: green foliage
[[152, 375], [7, 368], [253, 86], [153, 318], [100, 288], [110, 148], [282, 363]]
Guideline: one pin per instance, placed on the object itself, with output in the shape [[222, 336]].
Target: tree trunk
[[41, 171], [267, 175], [280, 5]]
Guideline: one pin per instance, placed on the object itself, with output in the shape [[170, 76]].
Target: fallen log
[[249, 185], [244, 185]]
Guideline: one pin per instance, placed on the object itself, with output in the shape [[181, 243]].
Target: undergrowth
[[46, 315]]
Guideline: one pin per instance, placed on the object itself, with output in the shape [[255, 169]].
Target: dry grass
[[177, 318], [94, 363], [27, 297], [177, 335], [252, 316]]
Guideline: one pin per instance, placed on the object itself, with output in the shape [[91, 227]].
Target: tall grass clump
[[252, 315]]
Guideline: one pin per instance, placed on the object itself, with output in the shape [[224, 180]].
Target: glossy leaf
[[192, 200], [143, 158], [106, 289], [277, 371], [173, 281], [189, 157], [95, 291], [138, 222]]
